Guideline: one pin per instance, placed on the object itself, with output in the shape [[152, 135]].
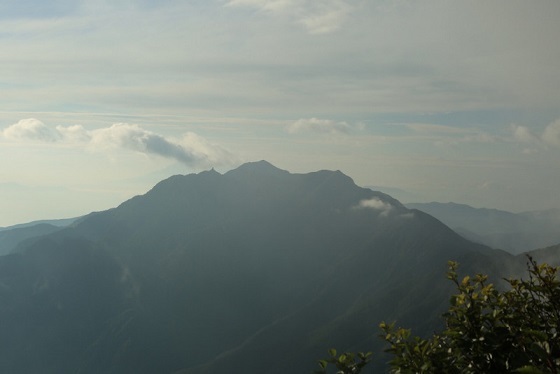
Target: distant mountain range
[[12, 236], [253, 271], [53, 222], [513, 232]]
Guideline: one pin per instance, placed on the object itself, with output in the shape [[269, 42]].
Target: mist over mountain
[[257, 270], [513, 232]]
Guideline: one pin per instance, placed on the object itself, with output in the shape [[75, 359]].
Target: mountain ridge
[[214, 273], [514, 232]]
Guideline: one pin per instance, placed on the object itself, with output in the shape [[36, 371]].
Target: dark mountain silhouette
[[513, 232], [254, 271]]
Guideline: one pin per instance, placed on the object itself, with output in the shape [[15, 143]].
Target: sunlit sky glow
[[448, 101]]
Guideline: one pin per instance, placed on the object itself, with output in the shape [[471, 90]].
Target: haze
[[447, 101]]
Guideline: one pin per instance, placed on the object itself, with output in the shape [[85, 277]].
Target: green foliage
[[345, 363], [487, 330]]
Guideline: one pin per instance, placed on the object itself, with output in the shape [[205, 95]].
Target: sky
[[434, 100]]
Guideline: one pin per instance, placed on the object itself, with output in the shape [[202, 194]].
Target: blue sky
[[449, 101]]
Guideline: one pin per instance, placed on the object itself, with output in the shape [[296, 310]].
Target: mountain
[[513, 232], [53, 222], [9, 239], [12, 236], [257, 270], [548, 254]]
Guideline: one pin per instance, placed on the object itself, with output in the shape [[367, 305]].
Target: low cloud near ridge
[[191, 150], [375, 204]]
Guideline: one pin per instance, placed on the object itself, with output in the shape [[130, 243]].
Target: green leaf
[[529, 370], [539, 334]]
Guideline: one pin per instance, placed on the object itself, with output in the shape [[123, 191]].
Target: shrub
[[487, 330]]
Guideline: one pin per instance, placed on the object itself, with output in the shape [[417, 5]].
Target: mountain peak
[[211, 172], [257, 167]]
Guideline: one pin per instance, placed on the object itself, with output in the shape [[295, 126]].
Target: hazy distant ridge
[[514, 232]]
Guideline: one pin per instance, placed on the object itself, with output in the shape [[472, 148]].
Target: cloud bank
[[191, 150]]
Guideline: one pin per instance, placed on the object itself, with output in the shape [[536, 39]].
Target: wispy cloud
[[191, 149], [443, 135], [267, 5], [326, 18], [433, 128], [387, 57], [322, 126], [318, 17]]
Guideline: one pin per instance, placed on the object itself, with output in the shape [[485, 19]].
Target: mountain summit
[[257, 270], [262, 168]]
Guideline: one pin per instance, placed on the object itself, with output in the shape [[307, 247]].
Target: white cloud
[[328, 18], [74, 133], [31, 129], [375, 204], [387, 57], [191, 150], [549, 137], [323, 126], [212, 154], [551, 134], [523, 134]]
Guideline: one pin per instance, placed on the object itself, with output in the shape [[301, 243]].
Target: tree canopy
[[487, 330]]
